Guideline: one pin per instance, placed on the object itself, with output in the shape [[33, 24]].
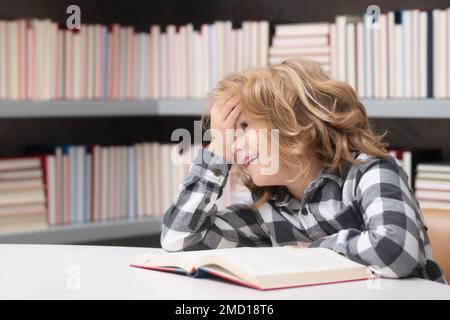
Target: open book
[[262, 268]]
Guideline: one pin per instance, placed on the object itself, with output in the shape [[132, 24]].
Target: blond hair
[[314, 114]]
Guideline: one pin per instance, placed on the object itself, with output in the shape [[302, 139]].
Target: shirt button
[[304, 212]]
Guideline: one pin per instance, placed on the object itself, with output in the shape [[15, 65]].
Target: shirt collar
[[282, 197]]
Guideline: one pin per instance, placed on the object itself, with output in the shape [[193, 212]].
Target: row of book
[[404, 54], [41, 61], [76, 184], [100, 183]]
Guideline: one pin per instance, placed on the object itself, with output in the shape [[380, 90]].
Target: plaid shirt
[[368, 213]]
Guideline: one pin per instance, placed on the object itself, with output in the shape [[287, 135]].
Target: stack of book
[[302, 40], [22, 194], [410, 159], [75, 184], [41, 61], [433, 185]]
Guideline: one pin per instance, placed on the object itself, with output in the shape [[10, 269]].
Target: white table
[[95, 272]]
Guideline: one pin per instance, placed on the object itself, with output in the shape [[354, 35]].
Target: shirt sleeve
[[193, 221], [390, 242]]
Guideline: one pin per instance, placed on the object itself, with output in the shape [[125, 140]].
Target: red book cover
[[43, 159], [90, 150], [204, 272], [67, 188], [57, 191]]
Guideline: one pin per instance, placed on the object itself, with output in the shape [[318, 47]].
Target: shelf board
[[89, 232], [408, 108], [376, 108], [113, 108]]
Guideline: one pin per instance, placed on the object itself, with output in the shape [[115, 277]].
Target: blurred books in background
[[41, 61], [405, 54], [428, 175], [100, 183], [433, 185], [75, 184], [22, 194], [411, 158], [306, 40]]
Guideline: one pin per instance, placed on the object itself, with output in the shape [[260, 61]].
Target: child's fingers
[[217, 106], [233, 116], [228, 107]]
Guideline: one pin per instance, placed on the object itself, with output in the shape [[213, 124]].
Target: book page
[[185, 260], [280, 260]]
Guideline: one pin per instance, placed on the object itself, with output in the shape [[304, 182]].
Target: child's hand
[[224, 114], [300, 245]]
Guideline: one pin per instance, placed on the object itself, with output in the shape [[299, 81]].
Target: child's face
[[254, 151]]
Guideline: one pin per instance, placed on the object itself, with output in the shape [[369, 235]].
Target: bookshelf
[[376, 108], [412, 122], [84, 233]]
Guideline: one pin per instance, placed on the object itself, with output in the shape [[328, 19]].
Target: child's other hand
[[224, 114], [299, 245]]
